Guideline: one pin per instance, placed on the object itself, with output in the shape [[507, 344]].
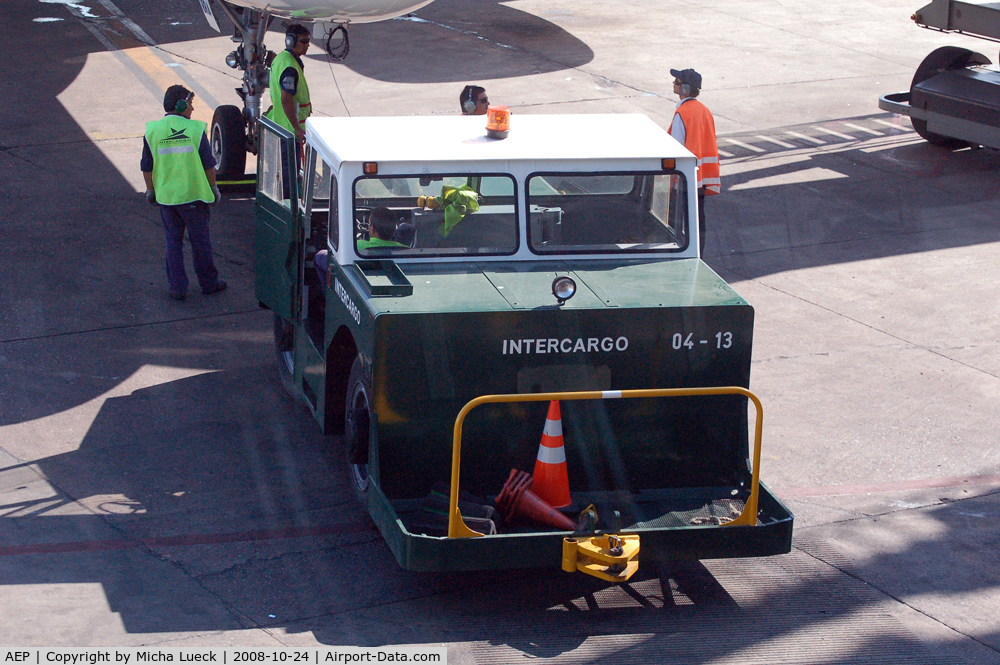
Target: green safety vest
[[378, 243], [178, 174], [281, 62]]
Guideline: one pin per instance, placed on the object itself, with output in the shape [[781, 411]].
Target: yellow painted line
[[165, 77]]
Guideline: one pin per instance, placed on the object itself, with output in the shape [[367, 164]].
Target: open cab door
[[278, 232]]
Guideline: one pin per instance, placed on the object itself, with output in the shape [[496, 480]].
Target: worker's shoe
[[219, 286], [177, 296]]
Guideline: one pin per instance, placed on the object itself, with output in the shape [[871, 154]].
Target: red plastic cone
[[551, 482], [517, 500]]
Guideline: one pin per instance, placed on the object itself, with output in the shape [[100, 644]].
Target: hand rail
[[457, 528]]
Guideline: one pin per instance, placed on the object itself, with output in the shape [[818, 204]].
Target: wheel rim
[[217, 144], [359, 476], [358, 472], [288, 357]]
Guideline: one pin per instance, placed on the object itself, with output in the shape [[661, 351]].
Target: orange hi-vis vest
[[699, 129]]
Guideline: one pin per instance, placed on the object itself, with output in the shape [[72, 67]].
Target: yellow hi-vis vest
[[178, 174], [699, 132], [281, 62]]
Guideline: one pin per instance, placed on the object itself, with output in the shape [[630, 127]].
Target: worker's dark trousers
[[193, 216]]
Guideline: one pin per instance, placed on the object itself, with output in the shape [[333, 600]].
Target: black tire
[[357, 430], [945, 59], [229, 142], [284, 348]]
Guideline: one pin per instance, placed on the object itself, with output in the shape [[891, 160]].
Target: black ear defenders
[[290, 39], [686, 89], [182, 104], [469, 105]]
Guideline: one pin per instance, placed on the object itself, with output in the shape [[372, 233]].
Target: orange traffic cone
[[517, 500], [551, 483]]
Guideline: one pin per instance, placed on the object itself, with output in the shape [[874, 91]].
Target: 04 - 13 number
[[723, 340]]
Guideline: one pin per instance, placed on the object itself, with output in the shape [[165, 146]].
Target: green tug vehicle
[[463, 309]]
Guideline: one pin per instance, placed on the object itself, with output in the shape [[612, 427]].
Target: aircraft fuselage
[[333, 11]]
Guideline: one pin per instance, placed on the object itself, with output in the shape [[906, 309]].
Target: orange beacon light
[[498, 122]]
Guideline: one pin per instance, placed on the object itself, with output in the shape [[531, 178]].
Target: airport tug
[[510, 329]]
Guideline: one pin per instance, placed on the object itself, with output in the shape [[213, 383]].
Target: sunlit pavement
[[157, 486]]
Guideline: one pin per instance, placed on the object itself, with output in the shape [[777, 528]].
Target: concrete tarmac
[[158, 487]]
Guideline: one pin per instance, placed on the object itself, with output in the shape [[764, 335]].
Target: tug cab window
[[607, 212], [272, 182], [435, 215]]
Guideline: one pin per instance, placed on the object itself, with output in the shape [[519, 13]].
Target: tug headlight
[[563, 288]]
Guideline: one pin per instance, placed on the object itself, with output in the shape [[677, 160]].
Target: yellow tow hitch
[[610, 557]]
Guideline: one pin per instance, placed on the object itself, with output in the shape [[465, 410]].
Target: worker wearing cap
[[694, 127], [179, 170], [289, 90]]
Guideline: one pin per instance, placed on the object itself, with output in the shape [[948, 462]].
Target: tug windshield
[[574, 213], [435, 215]]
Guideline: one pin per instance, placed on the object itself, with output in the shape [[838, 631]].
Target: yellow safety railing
[[457, 528]]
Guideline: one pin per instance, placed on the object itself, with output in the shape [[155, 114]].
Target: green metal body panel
[[277, 271], [278, 232], [474, 287], [464, 332]]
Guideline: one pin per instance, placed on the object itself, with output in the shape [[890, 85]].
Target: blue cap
[[689, 76]]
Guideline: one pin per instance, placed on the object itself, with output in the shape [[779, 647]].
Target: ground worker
[[289, 90], [694, 127], [381, 226], [473, 100], [179, 170]]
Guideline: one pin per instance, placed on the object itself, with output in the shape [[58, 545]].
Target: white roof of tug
[[463, 138]]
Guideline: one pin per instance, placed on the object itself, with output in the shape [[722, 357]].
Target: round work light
[[563, 288]]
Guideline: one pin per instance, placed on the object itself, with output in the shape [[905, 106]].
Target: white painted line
[[89, 25], [899, 141], [139, 33], [723, 153], [791, 178], [893, 125], [82, 11], [811, 139], [746, 146], [847, 137], [783, 144], [863, 129]]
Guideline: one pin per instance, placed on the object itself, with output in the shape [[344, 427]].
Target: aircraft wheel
[[357, 429], [284, 347], [229, 142]]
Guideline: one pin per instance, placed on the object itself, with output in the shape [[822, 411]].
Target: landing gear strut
[[234, 131]]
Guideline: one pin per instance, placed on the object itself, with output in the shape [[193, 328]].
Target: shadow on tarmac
[[204, 516], [849, 201], [188, 459], [481, 40]]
